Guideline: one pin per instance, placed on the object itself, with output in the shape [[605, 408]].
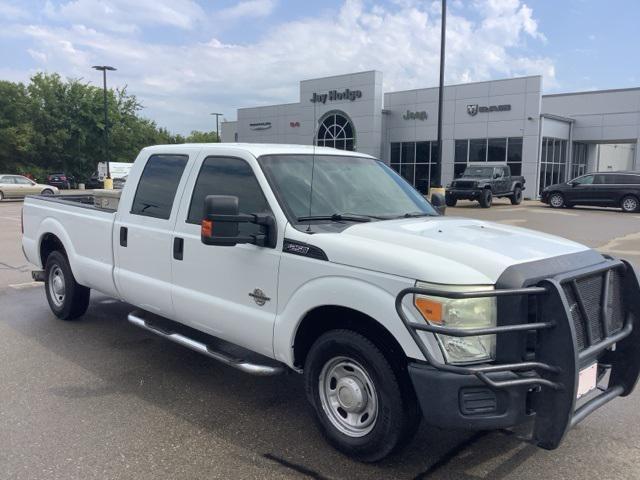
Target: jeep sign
[[421, 115]]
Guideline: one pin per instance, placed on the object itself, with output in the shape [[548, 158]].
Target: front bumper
[[464, 194], [547, 334]]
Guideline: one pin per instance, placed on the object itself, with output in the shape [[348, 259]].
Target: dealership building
[[546, 138]]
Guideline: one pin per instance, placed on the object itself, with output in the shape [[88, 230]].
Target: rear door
[[217, 289], [8, 186], [143, 232]]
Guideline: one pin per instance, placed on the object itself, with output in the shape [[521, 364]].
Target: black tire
[[556, 200], [397, 415], [450, 201], [47, 191], [486, 198], [630, 204], [516, 197], [72, 300], [1, 196]]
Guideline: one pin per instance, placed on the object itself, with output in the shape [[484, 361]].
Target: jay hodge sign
[[335, 95]]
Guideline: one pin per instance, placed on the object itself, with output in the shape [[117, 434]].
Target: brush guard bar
[[552, 375]]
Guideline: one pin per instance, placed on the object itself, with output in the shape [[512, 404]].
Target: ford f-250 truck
[[275, 258]]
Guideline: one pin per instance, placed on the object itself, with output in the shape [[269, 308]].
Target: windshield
[[479, 172], [343, 186]]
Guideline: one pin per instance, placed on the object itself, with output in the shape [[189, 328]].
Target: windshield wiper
[[337, 217], [410, 215]]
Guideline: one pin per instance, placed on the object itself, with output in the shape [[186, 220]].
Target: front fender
[[347, 292]]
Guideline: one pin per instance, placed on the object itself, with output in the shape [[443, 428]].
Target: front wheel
[[1, 196], [67, 299], [47, 191], [486, 198], [556, 200], [630, 204], [363, 407]]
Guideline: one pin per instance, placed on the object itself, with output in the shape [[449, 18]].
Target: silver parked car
[[17, 186]]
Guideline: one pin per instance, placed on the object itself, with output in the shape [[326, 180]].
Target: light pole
[[443, 28], [217, 129], [104, 69]]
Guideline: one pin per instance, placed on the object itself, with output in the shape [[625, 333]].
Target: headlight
[[465, 313]]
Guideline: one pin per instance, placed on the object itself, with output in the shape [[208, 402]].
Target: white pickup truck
[[276, 258]]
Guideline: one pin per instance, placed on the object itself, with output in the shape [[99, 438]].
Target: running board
[[268, 368]]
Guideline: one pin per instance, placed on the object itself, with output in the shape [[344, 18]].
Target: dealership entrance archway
[[336, 130]]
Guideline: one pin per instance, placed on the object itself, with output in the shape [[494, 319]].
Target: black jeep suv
[[483, 181]]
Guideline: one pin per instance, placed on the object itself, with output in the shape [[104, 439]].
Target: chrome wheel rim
[[57, 286], [348, 396], [556, 200], [630, 204]]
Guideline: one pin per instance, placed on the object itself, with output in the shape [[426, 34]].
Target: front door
[[26, 186], [583, 191], [143, 232], [228, 292]]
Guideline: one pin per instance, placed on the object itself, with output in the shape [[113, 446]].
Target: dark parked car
[[93, 182], [61, 180], [603, 189], [482, 182]]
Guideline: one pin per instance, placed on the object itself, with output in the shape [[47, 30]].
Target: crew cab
[[276, 258], [482, 181]]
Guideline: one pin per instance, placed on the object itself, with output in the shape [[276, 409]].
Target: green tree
[[202, 137], [54, 124]]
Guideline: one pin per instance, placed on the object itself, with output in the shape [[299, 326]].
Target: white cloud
[[10, 11], [180, 84], [125, 16], [248, 8]]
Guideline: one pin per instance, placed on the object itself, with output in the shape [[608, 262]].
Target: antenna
[[313, 161]]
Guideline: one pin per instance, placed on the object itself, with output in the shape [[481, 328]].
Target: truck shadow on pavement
[[269, 417]]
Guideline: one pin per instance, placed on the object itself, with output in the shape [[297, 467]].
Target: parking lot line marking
[[10, 218], [554, 212], [20, 286]]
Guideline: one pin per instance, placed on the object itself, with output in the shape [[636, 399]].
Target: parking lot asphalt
[[98, 398]]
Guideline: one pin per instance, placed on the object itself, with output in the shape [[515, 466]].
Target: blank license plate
[[587, 380]]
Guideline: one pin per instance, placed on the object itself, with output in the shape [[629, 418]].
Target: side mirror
[[572, 184], [496, 175], [439, 203], [222, 218]]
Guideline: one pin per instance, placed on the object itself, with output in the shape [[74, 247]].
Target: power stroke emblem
[[259, 297]]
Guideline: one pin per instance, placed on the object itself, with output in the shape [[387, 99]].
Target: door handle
[[178, 248], [123, 236]]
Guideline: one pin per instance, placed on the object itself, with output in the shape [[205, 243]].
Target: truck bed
[[85, 231]]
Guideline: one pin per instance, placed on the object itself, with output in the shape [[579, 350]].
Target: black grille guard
[[554, 370]]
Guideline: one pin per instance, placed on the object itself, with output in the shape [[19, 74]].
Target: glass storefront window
[[497, 150], [478, 150], [417, 162], [514, 150], [553, 162]]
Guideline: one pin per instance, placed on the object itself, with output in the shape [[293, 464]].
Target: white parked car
[[17, 186], [272, 258]]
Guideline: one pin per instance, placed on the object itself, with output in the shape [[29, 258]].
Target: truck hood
[[445, 250]]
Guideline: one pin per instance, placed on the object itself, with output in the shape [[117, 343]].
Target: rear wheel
[[516, 197], [363, 406], [556, 200], [451, 201], [486, 198], [67, 299], [630, 204]]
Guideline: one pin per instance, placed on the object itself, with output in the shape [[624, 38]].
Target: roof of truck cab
[[256, 149]]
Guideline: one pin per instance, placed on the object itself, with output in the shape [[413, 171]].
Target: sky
[[184, 59]]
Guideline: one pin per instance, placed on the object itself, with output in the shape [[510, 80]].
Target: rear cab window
[[158, 185]]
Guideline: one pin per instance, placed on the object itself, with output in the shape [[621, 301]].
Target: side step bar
[[253, 368]]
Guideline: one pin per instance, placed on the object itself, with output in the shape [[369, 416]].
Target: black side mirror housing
[[439, 203], [496, 175], [222, 219]]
